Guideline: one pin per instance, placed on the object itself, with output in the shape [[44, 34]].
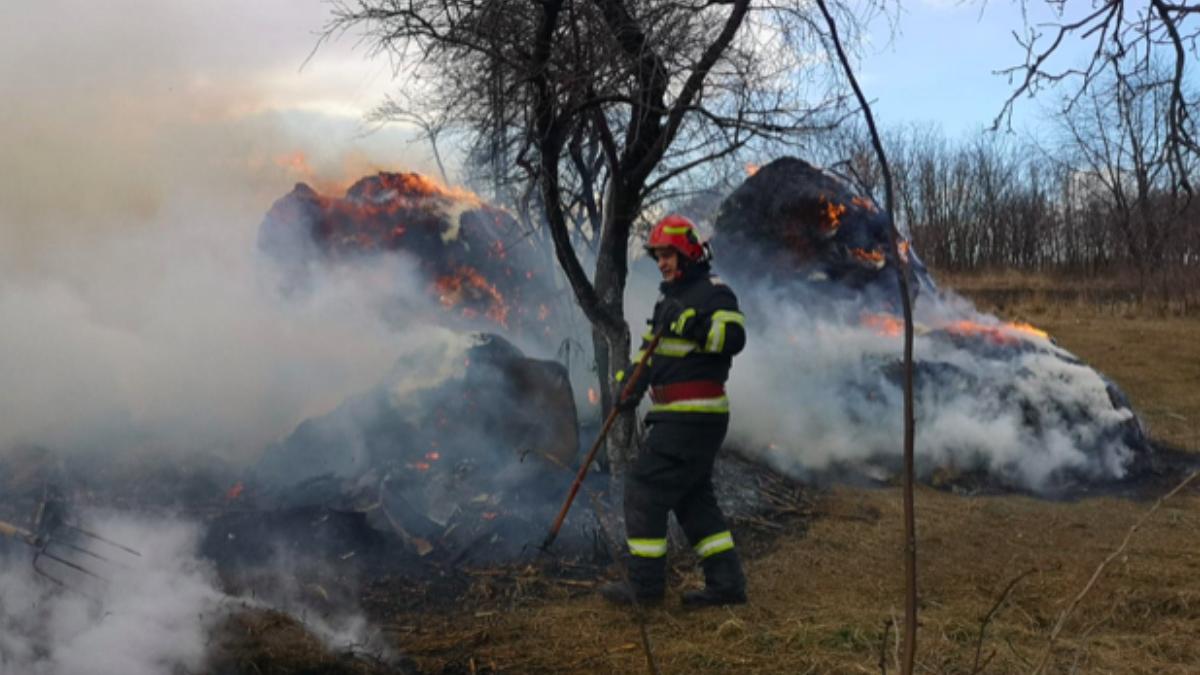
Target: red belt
[[682, 391]]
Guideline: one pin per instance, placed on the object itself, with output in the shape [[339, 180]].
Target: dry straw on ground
[[825, 598]]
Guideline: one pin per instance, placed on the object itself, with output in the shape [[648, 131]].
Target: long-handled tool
[[57, 543], [608, 422]]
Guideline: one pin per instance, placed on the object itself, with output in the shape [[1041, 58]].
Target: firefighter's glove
[[627, 403], [677, 319]]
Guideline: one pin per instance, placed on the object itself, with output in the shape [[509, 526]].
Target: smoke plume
[[818, 389]]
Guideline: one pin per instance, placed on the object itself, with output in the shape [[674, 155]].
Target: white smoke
[[175, 335], [817, 388], [151, 618], [152, 615]]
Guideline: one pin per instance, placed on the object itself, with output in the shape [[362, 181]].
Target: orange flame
[[1002, 334], [593, 397], [863, 203], [874, 258], [1006, 333], [391, 185], [830, 215], [883, 324], [468, 285], [902, 247], [235, 491], [355, 165], [1028, 329], [751, 168], [433, 455]]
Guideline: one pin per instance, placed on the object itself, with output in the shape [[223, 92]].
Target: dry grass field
[[824, 598]]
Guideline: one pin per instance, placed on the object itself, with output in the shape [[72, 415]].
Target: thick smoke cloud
[[175, 334], [818, 389], [143, 142]]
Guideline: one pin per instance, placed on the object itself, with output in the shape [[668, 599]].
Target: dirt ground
[[826, 598]]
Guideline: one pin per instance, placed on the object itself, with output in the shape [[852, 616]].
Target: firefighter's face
[[668, 262]]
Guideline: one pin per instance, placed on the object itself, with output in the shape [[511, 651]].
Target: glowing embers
[[1001, 334], [998, 334], [474, 260], [1028, 329], [829, 217], [873, 258], [883, 324], [864, 204], [467, 289], [425, 464]]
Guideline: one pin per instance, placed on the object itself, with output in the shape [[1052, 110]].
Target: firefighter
[[687, 421]]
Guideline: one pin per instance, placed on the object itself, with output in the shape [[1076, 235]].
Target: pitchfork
[[57, 542], [626, 392]]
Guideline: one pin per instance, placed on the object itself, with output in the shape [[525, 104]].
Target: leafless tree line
[[1100, 196]]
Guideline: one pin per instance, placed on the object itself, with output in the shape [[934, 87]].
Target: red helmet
[[679, 233]]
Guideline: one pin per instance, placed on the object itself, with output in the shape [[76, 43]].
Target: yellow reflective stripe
[[716, 337], [675, 347], [680, 323], [620, 375], [648, 548], [714, 544], [699, 405], [716, 333], [726, 316], [648, 335], [683, 229]]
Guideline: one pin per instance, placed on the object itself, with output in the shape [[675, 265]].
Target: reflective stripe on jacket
[[705, 353]]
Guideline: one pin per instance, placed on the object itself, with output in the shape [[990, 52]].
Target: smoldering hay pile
[[474, 259], [453, 445], [819, 389]]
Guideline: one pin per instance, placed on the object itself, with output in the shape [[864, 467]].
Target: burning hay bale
[[997, 402], [476, 260], [802, 222]]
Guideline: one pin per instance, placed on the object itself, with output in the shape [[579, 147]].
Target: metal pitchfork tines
[[72, 547]]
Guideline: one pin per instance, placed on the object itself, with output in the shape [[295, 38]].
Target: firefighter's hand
[[675, 317], [626, 404]]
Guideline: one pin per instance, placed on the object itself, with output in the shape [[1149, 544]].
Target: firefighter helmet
[[679, 233]]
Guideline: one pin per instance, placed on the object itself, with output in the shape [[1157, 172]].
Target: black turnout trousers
[[672, 473]]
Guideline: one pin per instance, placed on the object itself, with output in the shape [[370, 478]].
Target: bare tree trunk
[[612, 267], [901, 263]]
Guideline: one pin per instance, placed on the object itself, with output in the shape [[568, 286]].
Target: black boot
[[624, 593], [647, 583], [724, 583]]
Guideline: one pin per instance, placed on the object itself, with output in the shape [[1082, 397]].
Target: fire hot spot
[[477, 260]]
